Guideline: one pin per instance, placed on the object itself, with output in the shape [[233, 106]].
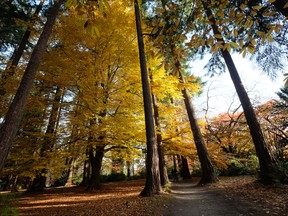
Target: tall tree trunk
[[152, 185], [162, 164], [208, 172], [14, 184], [185, 168], [69, 181], [266, 160], [174, 163], [12, 119], [86, 170], [48, 143], [128, 164], [96, 164], [18, 52], [179, 161]]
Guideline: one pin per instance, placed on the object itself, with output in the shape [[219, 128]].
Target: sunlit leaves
[[71, 3], [101, 70]]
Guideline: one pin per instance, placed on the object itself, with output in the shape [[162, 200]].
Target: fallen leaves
[[120, 198], [273, 199]]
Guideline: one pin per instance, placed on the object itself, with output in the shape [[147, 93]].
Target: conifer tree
[[12, 119], [152, 185], [266, 160]]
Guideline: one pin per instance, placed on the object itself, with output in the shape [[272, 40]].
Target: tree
[[229, 139], [13, 15], [208, 172], [152, 185], [12, 119], [22, 160], [272, 115], [169, 41], [280, 5], [162, 164], [15, 58], [39, 182], [266, 160], [259, 30], [185, 168], [100, 71]]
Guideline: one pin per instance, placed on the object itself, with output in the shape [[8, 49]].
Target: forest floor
[[241, 195]]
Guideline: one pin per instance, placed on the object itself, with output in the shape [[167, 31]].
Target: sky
[[221, 92]]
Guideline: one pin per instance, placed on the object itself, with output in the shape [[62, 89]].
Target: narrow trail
[[202, 201]]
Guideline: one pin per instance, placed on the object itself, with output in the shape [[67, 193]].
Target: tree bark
[[175, 163], [86, 170], [96, 164], [152, 185], [266, 160], [13, 117], [162, 164], [128, 164], [69, 181], [185, 168], [208, 172]]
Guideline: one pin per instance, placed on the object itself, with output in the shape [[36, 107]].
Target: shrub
[[239, 166]]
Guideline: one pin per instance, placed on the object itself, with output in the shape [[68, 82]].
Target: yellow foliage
[[102, 72]]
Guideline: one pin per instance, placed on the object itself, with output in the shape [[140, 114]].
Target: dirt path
[[202, 201]]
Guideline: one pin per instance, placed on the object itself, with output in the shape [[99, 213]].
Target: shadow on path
[[202, 201]]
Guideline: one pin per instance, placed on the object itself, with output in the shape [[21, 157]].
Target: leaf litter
[[122, 198]]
